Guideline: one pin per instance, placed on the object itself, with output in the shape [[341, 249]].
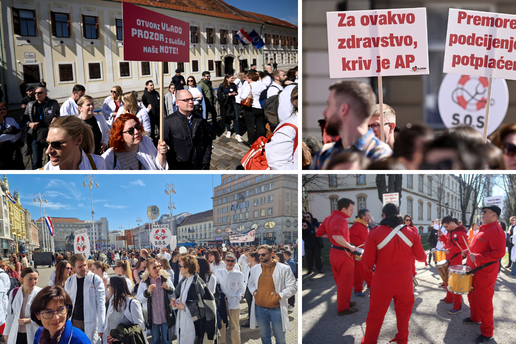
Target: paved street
[[247, 335], [430, 321]]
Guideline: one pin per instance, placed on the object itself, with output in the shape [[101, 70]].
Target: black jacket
[[188, 151], [176, 80], [432, 236], [50, 110], [151, 98], [167, 297], [510, 233]]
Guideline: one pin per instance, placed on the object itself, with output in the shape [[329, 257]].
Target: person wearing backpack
[[19, 328], [281, 150], [228, 108]]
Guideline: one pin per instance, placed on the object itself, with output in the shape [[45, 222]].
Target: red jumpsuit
[[342, 262], [488, 245], [455, 242], [358, 234], [392, 279]]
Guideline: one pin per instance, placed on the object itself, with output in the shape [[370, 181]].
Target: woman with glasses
[[229, 111], [70, 146], [130, 105], [111, 104], [123, 308], [51, 309], [97, 123], [10, 152], [131, 150], [193, 299], [63, 271], [19, 329], [254, 116], [155, 293], [505, 139], [196, 91]]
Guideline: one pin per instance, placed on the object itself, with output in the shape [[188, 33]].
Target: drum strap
[[480, 267], [391, 235]]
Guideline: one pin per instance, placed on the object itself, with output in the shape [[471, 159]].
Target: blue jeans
[[264, 318], [156, 330]]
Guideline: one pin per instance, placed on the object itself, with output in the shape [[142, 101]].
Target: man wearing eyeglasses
[[232, 285], [89, 299], [271, 285], [486, 249], [38, 115], [389, 123], [187, 136]]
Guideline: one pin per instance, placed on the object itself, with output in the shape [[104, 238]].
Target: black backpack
[[270, 108], [222, 97]]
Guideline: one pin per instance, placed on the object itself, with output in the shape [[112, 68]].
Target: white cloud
[[57, 206], [137, 182], [71, 188], [114, 206]]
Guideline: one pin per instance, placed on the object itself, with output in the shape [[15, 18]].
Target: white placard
[[160, 236], [481, 44], [377, 42], [391, 198], [82, 243], [238, 238], [494, 200], [463, 98]]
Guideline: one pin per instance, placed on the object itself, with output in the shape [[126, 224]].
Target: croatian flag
[[243, 37], [49, 225], [256, 39], [13, 201]]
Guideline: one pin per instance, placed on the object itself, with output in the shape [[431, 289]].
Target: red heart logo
[[414, 68]]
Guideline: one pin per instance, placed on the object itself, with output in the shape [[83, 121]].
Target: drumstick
[[468, 249]]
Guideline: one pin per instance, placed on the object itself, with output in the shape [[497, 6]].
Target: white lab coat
[[100, 164], [94, 303], [513, 252], [185, 329], [103, 126], [69, 108], [52, 278], [133, 313], [13, 314], [4, 288], [147, 154], [284, 284], [279, 151], [231, 284]]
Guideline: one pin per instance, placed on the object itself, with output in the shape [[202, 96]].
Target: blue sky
[[120, 198], [281, 9]]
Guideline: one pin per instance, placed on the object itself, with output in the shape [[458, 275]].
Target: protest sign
[[235, 238], [82, 243], [391, 198], [494, 200], [377, 43], [152, 36], [160, 235]]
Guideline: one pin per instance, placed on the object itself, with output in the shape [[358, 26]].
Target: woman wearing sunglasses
[[70, 146], [505, 139], [19, 329], [63, 271], [111, 104], [97, 123], [51, 309], [196, 91], [131, 150]]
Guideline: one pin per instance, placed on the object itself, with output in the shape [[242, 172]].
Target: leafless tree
[[324, 183], [472, 190], [508, 185]]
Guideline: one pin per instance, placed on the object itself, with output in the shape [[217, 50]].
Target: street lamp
[[169, 190], [139, 221], [90, 181], [41, 198]]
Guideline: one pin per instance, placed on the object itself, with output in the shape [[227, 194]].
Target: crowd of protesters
[[124, 133], [192, 295], [351, 139]]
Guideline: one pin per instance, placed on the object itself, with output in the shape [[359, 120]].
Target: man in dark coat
[[509, 235], [151, 97], [187, 136], [432, 240], [178, 80]]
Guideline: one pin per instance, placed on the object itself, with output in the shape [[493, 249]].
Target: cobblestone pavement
[[246, 334]]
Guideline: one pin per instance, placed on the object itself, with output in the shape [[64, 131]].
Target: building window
[[262, 212], [262, 200], [429, 212], [60, 24], [210, 39], [254, 61], [255, 213], [271, 199], [24, 22], [95, 71], [255, 191], [235, 217], [247, 215], [361, 202], [195, 66], [287, 196], [269, 211], [165, 68], [181, 66], [223, 36], [429, 186], [287, 208], [194, 34], [247, 193], [125, 69], [332, 180], [90, 27], [235, 39], [119, 30], [218, 220], [420, 183], [263, 188], [227, 219], [145, 66], [66, 72], [270, 186], [410, 181], [333, 203], [211, 66], [361, 179], [409, 207], [420, 211], [31, 73], [255, 202]]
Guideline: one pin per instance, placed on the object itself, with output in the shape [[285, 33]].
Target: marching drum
[[443, 270], [439, 255], [460, 282]]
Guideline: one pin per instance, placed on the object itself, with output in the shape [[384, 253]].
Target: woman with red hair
[[130, 150]]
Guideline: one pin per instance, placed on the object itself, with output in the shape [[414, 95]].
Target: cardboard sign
[[480, 43], [235, 238], [462, 101], [160, 236], [82, 243], [494, 200], [151, 36], [391, 198], [377, 43]]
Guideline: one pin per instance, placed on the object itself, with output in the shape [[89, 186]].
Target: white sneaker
[[239, 138], [228, 134], [290, 309]]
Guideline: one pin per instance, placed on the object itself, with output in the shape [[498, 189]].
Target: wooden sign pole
[[380, 107], [486, 123], [162, 103]]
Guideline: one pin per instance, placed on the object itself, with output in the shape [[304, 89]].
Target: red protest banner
[[151, 36]]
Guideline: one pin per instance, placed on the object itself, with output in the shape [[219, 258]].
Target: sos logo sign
[[463, 98]]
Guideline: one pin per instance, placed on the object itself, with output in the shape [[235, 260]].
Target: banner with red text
[[151, 36], [481, 44], [377, 43]]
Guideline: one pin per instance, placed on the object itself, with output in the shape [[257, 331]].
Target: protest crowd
[[189, 295], [124, 134], [382, 257]]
